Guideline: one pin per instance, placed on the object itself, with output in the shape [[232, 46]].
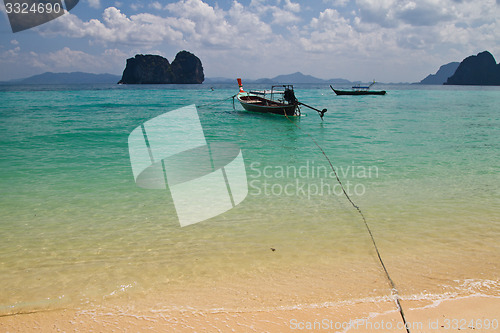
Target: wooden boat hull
[[259, 104], [359, 92]]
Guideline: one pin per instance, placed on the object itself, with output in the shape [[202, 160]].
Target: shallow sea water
[[421, 163]]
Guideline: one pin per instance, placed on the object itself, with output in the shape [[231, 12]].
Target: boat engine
[[289, 96]]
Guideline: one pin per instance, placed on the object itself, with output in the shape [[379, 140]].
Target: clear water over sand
[[421, 163]]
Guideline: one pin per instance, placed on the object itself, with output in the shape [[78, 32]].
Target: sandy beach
[[477, 313]]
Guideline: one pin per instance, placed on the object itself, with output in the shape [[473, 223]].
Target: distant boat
[[279, 100], [359, 90]]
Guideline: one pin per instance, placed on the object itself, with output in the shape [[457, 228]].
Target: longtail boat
[[279, 100], [359, 90]]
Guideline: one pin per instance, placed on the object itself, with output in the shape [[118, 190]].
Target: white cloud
[[280, 15], [425, 24], [67, 59], [283, 17], [248, 23], [116, 27], [136, 6], [207, 25], [329, 32], [12, 54], [115, 53], [291, 6], [393, 13], [195, 9], [391, 37], [337, 3], [380, 12], [426, 13], [403, 36], [156, 5], [94, 3], [191, 22], [20, 64]]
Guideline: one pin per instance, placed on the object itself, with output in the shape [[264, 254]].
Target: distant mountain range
[[66, 78], [296, 77], [480, 69], [442, 74], [88, 78]]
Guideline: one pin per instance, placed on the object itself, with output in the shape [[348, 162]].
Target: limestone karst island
[[154, 69]]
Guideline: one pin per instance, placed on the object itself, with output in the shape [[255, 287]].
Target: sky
[[386, 40]]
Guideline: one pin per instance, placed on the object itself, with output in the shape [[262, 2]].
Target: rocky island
[[154, 69], [480, 69]]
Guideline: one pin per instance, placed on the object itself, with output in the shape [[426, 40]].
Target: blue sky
[[386, 40]]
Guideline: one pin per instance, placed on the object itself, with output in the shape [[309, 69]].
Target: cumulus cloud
[[424, 13], [67, 59], [327, 32], [410, 24], [393, 13], [116, 27], [192, 22], [205, 24], [369, 11], [399, 32], [257, 33], [291, 6], [280, 15], [390, 13], [17, 64], [283, 17]]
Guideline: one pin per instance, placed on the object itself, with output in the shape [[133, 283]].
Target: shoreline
[[477, 313]]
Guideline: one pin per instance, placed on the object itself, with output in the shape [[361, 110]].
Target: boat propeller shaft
[[320, 112]]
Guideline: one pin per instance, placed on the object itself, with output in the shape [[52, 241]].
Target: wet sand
[[477, 313]]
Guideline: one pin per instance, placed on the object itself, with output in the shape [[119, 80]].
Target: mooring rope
[[394, 290], [217, 102]]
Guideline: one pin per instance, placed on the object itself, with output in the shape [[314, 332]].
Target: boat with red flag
[[279, 100]]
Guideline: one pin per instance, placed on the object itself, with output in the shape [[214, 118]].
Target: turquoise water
[[420, 162]]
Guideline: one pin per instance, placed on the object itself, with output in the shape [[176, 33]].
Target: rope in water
[[394, 290], [217, 102]]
